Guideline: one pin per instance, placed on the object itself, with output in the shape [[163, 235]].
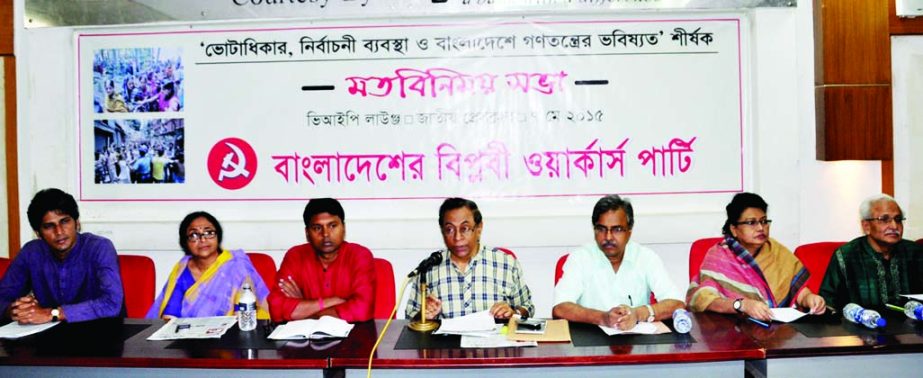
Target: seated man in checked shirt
[[471, 277]]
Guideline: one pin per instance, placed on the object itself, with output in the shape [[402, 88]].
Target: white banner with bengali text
[[482, 108]]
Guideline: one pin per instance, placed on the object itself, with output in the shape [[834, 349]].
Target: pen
[[760, 322], [831, 310], [630, 303], [893, 307]]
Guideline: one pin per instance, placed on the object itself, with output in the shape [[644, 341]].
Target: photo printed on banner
[[138, 80], [132, 151]]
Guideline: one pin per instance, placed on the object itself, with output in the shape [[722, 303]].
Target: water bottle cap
[[918, 312], [881, 322]]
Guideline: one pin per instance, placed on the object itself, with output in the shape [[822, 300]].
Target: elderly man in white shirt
[[609, 283]]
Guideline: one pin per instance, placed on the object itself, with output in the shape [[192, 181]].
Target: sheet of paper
[[15, 330], [916, 297], [493, 341], [212, 327], [786, 314], [477, 322], [642, 328]]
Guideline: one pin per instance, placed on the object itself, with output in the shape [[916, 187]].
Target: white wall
[[809, 200], [907, 76]]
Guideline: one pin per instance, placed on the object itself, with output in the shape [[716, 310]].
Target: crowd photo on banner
[[137, 80], [139, 151]]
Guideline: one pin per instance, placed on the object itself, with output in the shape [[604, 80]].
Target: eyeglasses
[[195, 236], [754, 222], [886, 219], [319, 228], [464, 230], [615, 230]]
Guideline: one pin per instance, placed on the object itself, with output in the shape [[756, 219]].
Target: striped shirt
[[492, 276]]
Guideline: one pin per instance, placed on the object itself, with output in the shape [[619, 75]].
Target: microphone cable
[[397, 303]]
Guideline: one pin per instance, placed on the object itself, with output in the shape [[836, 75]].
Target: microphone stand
[[422, 325]]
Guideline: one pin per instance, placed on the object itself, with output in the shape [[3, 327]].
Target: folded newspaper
[[212, 327]]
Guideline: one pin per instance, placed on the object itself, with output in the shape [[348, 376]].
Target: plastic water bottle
[[682, 322], [859, 315], [246, 308], [914, 310]]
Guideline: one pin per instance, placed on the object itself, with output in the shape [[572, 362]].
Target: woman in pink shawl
[[207, 281], [748, 272]]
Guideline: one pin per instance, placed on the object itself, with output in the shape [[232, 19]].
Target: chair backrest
[[4, 264], [559, 268], [507, 251], [697, 254], [384, 289], [816, 257], [265, 266], [138, 280]]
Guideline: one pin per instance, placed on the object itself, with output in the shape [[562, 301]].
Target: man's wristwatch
[[55, 313], [650, 313], [738, 305]]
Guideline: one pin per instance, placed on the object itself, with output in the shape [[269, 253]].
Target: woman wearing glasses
[[207, 280], [748, 272]]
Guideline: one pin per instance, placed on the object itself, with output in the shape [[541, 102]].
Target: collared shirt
[[858, 274], [589, 280], [491, 276], [86, 285], [351, 276]]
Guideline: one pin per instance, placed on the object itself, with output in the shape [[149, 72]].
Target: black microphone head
[[435, 258]]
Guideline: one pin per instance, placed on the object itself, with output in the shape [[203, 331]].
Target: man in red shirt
[[326, 275]]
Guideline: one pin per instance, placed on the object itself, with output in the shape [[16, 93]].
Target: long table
[[829, 346], [118, 348], [718, 346], [715, 349]]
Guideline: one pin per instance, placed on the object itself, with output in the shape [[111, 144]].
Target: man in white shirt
[[609, 283]]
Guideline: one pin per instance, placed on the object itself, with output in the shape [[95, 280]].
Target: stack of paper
[[315, 329], [479, 323], [212, 327]]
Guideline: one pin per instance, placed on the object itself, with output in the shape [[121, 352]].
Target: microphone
[[434, 259]]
